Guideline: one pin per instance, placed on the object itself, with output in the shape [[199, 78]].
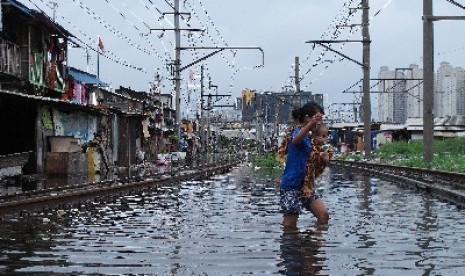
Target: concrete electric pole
[[366, 78], [428, 80], [428, 76], [177, 66], [365, 64], [297, 81]]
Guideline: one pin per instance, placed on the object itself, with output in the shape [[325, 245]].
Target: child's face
[[321, 137]]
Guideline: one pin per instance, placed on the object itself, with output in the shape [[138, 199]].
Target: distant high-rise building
[[400, 94], [401, 90], [393, 95], [445, 97], [449, 93], [415, 92], [460, 90]]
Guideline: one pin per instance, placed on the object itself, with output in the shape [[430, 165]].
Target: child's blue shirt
[[296, 161]]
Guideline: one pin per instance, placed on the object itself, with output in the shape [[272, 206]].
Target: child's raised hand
[[315, 119]]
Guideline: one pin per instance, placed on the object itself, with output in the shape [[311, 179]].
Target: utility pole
[[428, 81], [428, 76], [266, 126], [177, 60], [53, 5], [366, 78], [365, 64], [297, 81], [259, 114], [207, 140], [354, 106], [177, 66], [202, 125], [177, 57], [276, 140]]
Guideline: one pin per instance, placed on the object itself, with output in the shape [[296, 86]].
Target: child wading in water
[[303, 156]]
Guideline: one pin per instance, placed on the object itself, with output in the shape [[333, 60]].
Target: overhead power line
[[455, 3]]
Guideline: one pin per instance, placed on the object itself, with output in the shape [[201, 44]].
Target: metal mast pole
[[53, 5], [366, 78], [177, 59], [266, 125], [177, 66], [276, 112], [207, 138], [428, 80], [202, 106], [297, 81]]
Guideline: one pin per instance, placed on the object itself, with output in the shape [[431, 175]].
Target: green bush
[[452, 146], [265, 160], [449, 154], [353, 157], [398, 149]]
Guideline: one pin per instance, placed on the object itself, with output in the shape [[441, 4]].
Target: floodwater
[[230, 225]]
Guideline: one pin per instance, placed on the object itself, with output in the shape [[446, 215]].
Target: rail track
[[446, 185], [67, 196]]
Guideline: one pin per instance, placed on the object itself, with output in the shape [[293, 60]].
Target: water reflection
[[426, 226], [27, 241], [231, 225], [300, 252]]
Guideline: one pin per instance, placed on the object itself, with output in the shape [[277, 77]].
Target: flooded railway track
[[449, 186], [75, 194]]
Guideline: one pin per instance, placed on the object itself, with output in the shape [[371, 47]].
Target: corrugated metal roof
[[415, 128], [345, 125], [20, 6], [448, 123], [52, 101], [44, 18], [40, 16], [448, 134], [84, 77], [458, 120], [392, 126], [414, 121], [238, 133]]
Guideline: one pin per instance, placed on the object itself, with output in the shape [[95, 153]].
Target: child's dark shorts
[[292, 202]]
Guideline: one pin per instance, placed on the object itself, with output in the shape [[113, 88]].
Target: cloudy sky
[[134, 54]]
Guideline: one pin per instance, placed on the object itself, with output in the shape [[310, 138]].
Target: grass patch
[[266, 165], [265, 160], [449, 154]]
